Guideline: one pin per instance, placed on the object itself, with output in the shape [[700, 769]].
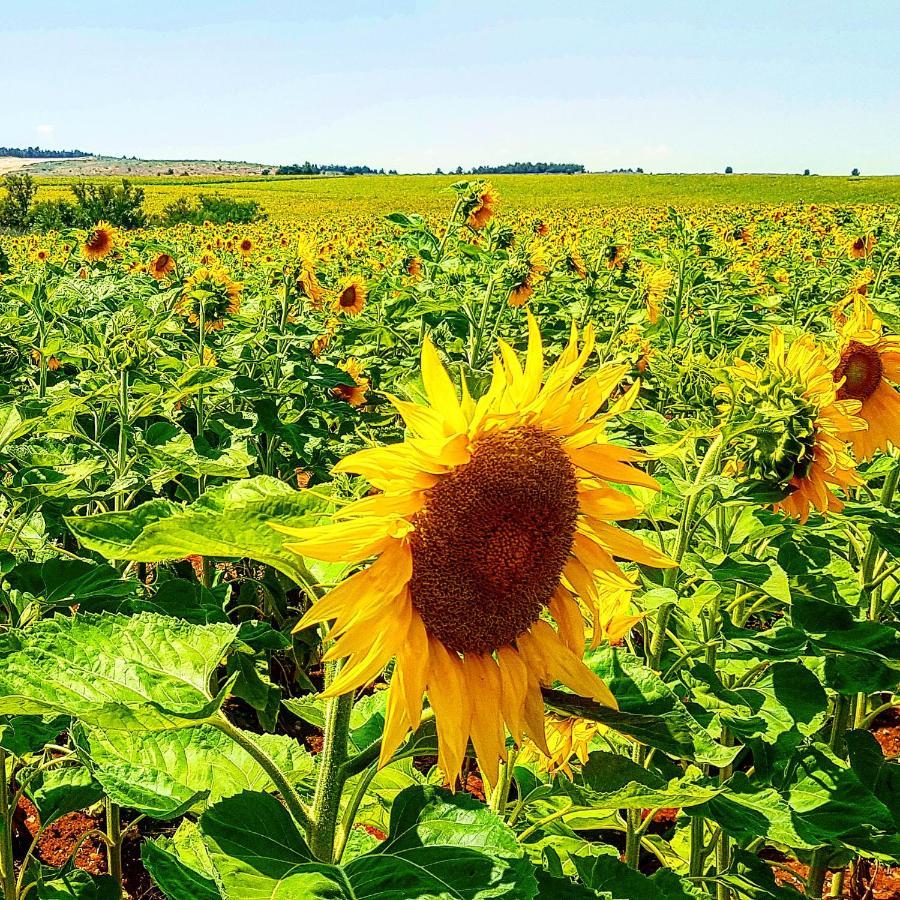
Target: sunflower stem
[[114, 844], [709, 462], [330, 778], [7, 860], [269, 766]]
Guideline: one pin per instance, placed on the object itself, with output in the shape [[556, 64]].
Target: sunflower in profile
[[867, 371], [861, 247], [354, 394], [162, 266], [351, 298], [566, 736], [480, 210], [792, 429], [99, 242], [212, 290], [493, 518]]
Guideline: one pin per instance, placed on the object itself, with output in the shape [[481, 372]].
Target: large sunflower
[[493, 516], [867, 371], [797, 431]]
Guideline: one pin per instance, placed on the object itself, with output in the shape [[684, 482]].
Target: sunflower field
[[467, 553]]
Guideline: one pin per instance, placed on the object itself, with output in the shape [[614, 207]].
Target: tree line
[[38, 153]]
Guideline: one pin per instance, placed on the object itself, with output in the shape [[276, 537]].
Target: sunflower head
[[861, 247], [354, 394], [162, 266], [492, 520], [787, 428], [210, 293], [566, 738], [478, 202], [867, 370], [351, 297], [99, 242]]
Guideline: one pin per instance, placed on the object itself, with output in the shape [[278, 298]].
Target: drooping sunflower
[[99, 242], [351, 298], [354, 394], [214, 290], [861, 247], [493, 517], [566, 736], [482, 208], [868, 369], [793, 428], [162, 266]]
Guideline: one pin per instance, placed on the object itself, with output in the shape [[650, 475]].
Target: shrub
[[54, 215], [15, 208], [211, 208], [120, 206]]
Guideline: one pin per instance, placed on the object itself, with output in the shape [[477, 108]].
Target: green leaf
[[21, 735], [234, 520], [609, 875], [747, 812], [834, 627], [768, 576], [258, 853], [612, 781], [649, 711], [164, 774], [439, 845], [57, 792], [145, 672], [180, 865], [74, 884], [831, 799]]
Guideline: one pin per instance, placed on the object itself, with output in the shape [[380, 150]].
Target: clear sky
[[670, 86]]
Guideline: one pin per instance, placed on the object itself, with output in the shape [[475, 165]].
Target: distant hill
[[89, 166]]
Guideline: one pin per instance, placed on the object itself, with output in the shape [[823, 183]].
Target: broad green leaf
[[649, 711], [613, 781], [56, 792], [830, 798], [73, 884], [234, 520], [177, 453], [834, 627], [767, 576], [606, 874], [144, 672], [180, 865], [439, 845], [164, 774], [20, 735], [747, 812]]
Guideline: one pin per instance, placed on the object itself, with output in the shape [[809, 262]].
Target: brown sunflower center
[[861, 368], [348, 297], [98, 240], [490, 545]]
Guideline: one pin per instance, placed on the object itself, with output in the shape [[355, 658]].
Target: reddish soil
[[870, 881], [886, 730], [60, 839]]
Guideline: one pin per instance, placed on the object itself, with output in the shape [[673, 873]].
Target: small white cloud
[[657, 151], [44, 130]]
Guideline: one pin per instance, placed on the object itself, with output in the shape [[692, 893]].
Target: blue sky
[[689, 86]]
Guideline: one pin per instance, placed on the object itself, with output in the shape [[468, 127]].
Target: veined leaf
[[439, 845], [146, 672], [164, 774], [231, 521]]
